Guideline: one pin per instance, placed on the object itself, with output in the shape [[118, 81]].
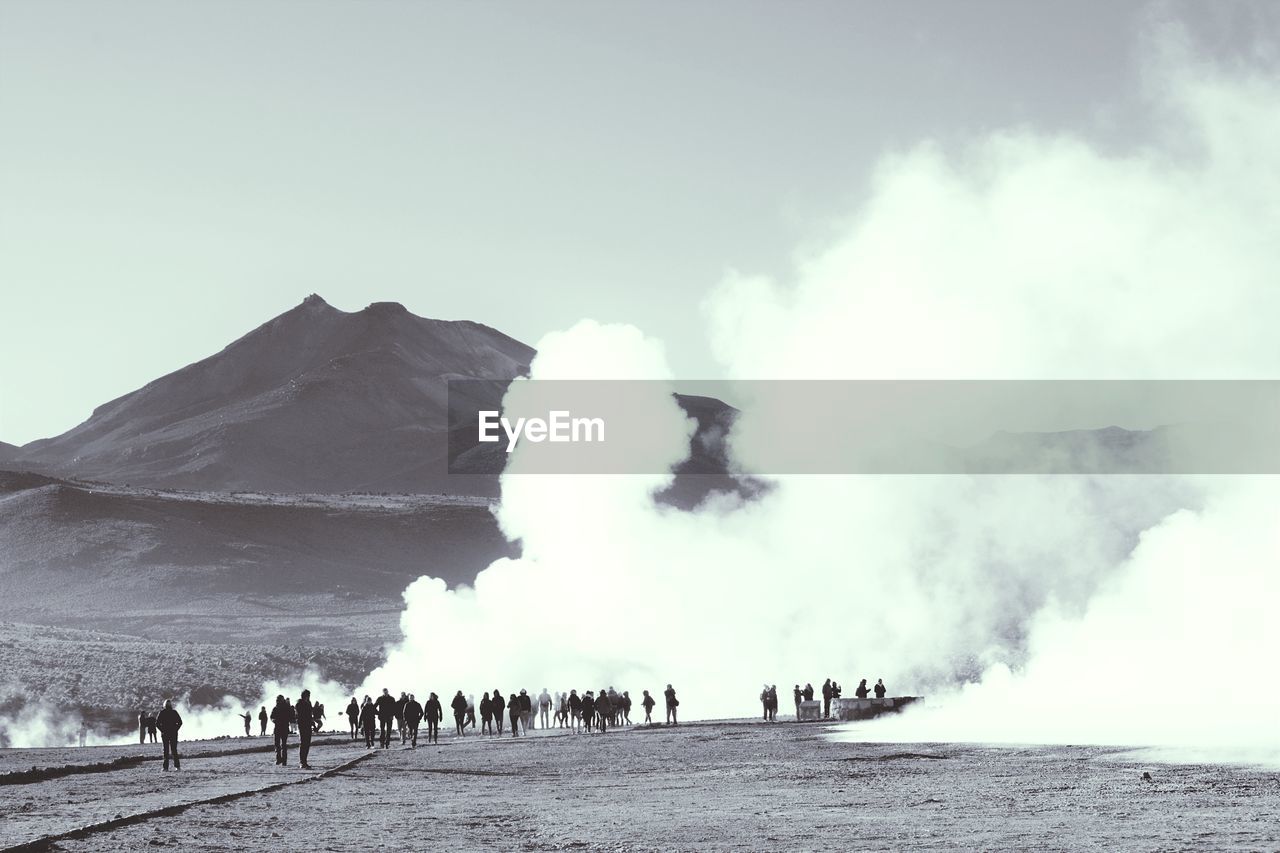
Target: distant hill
[[8, 451], [316, 400], [253, 568]]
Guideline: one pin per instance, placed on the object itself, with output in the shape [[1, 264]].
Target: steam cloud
[[1043, 609]]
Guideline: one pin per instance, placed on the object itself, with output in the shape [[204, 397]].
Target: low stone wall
[[853, 708]]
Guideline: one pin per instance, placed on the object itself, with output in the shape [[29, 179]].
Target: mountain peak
[[385, 309], [315, 300]]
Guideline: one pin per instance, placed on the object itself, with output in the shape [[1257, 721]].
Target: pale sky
[[174, 174]]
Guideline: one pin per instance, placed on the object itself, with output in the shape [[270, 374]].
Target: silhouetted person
[[799, 695], [459, 706], [435, 713], [142, 727], [368, 721], [604, 710], [168, 721], [400, 703], [471, 712], [353, 717], [575, 708], [248, 721], [281, 715], [499, 706], [880, 688], [526, 710], [672, 704], [826, 698], [305, 715], [861, 692], [151, 727], [588, 710], [764, 702], [648, 702], [412, 717], [486, 715], [513, 711], [807, 693], [262, 720], [625, 704], [386, 707], [317, 714]]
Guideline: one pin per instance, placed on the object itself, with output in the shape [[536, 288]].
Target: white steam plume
[[1023, 256]]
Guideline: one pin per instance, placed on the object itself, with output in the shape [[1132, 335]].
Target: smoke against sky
[[1027, 255]]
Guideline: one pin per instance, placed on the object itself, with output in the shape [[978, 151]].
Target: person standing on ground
[[169, 721], [672, 704], [575, 709], [318, 714], [648, 703], [526, 710], [604, 710], [799, 694], [386, 707], [513, 711], [412, 717], [151, 727], [368, 721], [880, 688], [248, 720], [142, 727], [471, 712], [499, 706], [435, 713], [353, 716], [773, 703], [459, 706], [262, 720], [305, 714], [588, 711], [764, 702], [486, 715], [826, 698], [626, 707], [544, 709], [280, 717]]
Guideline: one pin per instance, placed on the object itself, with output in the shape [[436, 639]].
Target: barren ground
[[725, 786]]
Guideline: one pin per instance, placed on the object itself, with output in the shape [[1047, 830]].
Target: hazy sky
[[174, 174]]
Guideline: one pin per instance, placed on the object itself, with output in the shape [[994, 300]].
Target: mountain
[[315, 400], [8, 451], [324, 570]]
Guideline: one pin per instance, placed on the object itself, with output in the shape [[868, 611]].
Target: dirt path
[[727, 786]]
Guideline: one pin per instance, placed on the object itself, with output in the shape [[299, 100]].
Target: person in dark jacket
[[368, 721], [499, 706], [281, 716], [412, 717], [880, 688], [400, 703], [486, 715], [248, 721], [526, 710], [513, 711], [459, 706], [861, 692], [263, 717], [168, 721], [799, 695], [435, 713], [353, 717], [386, 707], [672, 704], [604, 710], [305, 715], [151, 727], [807, 693], [142, 727], [648, 702], [826, 698], [575, 708]]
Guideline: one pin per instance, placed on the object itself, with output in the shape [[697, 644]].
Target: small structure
[[810, 711], [853, 708]]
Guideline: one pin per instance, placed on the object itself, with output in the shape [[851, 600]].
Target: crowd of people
[[831, 689]]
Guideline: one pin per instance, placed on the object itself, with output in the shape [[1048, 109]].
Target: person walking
[[648, 703], [305, 714], [400, 703], [459, 706], [435, 713], [672, 704], [470, 721], [281, 715], [317, 713], [412, 717], [386, 708], [368, 721], [168, 721], [526, 710], [353, 717]]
